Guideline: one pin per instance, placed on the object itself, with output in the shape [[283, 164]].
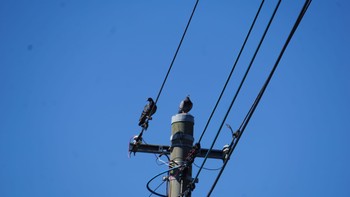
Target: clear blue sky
[[75, 75]]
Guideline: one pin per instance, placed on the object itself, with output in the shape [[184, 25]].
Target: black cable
[[157, 188], [177, 50], [239, 88], [233, 68], [233, 142], [153, 191], [262, 91], [170, 67], [209, 169], [257, 100]]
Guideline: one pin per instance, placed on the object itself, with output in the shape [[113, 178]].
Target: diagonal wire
[[232, 70], [257, 100], [238, 90], [170, 67], [177, 50], [157, 188], [153, 191], [262, 91]]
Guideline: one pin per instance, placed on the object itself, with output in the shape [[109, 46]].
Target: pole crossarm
[[164, 149]]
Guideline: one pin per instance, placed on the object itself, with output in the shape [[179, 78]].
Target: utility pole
[[182, 153], [181, 143]]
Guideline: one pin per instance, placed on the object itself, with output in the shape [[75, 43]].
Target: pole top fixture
[[183, 117]]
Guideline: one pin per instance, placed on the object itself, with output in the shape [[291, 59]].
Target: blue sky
[[75, 75]]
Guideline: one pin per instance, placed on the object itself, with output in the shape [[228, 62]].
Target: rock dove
[[149, 109], [185, 105]]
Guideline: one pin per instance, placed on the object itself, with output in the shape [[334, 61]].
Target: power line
[[176, 52], [209, 169], [157, 188], [257, 100], [232, 70], [153, 191], [170, 67], [185, 186], [240, 86]]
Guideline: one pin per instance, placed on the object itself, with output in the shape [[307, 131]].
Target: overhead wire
[[239, 88], [171, 65], [177, 51], [251, 111], [166, 77], [209, 169], [259, 96], [157, 188], [231, 72], [148, 183]]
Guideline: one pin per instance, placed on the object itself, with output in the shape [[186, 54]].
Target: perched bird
[[185, 105], [149, 109]]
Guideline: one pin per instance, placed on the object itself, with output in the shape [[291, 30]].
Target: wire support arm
[[164, 149]]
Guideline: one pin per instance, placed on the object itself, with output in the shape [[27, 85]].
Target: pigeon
[[149, 109], [185, 105]]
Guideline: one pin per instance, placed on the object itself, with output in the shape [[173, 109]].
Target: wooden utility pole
[[181, 153]]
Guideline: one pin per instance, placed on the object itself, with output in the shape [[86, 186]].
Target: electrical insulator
[[137, 140], [226, 150]]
